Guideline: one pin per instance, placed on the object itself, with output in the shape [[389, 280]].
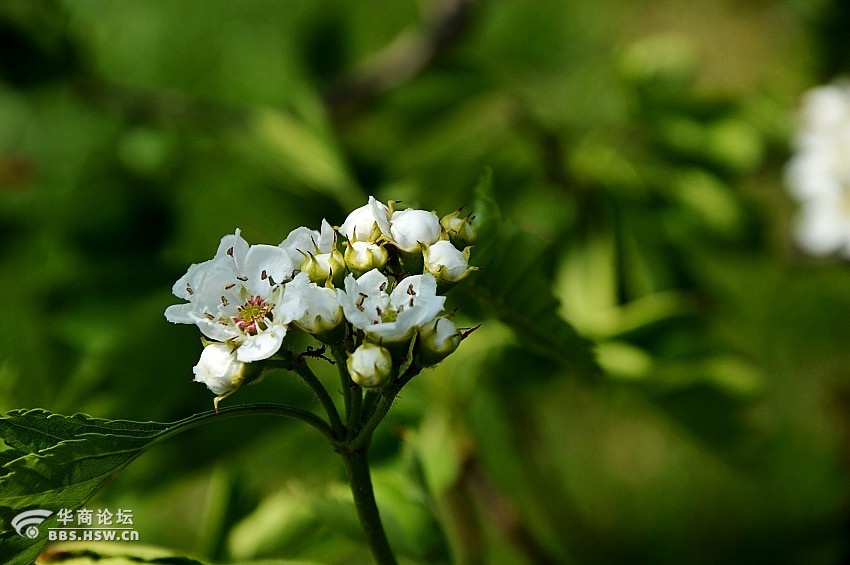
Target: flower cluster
[[371, 286], [818, 175]]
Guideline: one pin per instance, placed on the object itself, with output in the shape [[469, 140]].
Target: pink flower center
[[253, 314]]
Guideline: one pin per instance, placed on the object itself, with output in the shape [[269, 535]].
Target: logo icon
[[26, 522]]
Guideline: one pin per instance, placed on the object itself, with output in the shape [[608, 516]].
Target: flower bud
[[446, 263], [437, 340], [459, 230], [411, 228], [363, 256], [325, 266], [366, 223], [369, 365], [223, 374]]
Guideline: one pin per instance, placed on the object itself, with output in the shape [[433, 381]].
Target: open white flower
[[367, 223], [235, 297], [390, 315], [322, 313], [412, 228]]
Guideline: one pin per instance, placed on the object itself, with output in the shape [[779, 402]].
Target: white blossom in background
[[818, 175], [390, 314], [235, 297]]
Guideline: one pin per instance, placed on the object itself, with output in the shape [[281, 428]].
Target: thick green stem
[[360, 479]]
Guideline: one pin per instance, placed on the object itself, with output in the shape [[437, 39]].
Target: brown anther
[[264, 275], [410, 290], [242, 278], [231, 285], [189, 290], [230, 251], [224, 301]]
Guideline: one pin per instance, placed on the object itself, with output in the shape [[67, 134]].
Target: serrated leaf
[[59, 462], [513, 284]]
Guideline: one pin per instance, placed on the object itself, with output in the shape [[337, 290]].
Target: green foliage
[[513, 285]]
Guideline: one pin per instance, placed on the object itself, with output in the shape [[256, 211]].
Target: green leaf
[[514, 285], [55, 462]]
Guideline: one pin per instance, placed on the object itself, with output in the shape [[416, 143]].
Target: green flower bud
[[459, 230], [324, 266], [447, 263], [437, 340], [369, 365], [363, 256]]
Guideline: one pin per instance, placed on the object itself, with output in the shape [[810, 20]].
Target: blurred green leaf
[[514, 284], [56, 462]]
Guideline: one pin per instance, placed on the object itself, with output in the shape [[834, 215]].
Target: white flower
[[363, 256], [219, 369], [390, 315], [315, 253], [411, 228], [322, 311], [818, 175], [823, 227], [369, 365], [438, 340], [446, 263], [367, 223], [235, 297]]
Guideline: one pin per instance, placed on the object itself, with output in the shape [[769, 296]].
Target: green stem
[[300, 368], [364, 435], [339, 354], [252, 410], [360, 479]]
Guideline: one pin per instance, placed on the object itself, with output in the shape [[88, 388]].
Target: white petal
[[181, 314], [267, 267], [218, 368], [262, 345], [326, 241], [235, 247]]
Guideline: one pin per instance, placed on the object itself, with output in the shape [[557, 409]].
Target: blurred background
[[637, 151]]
